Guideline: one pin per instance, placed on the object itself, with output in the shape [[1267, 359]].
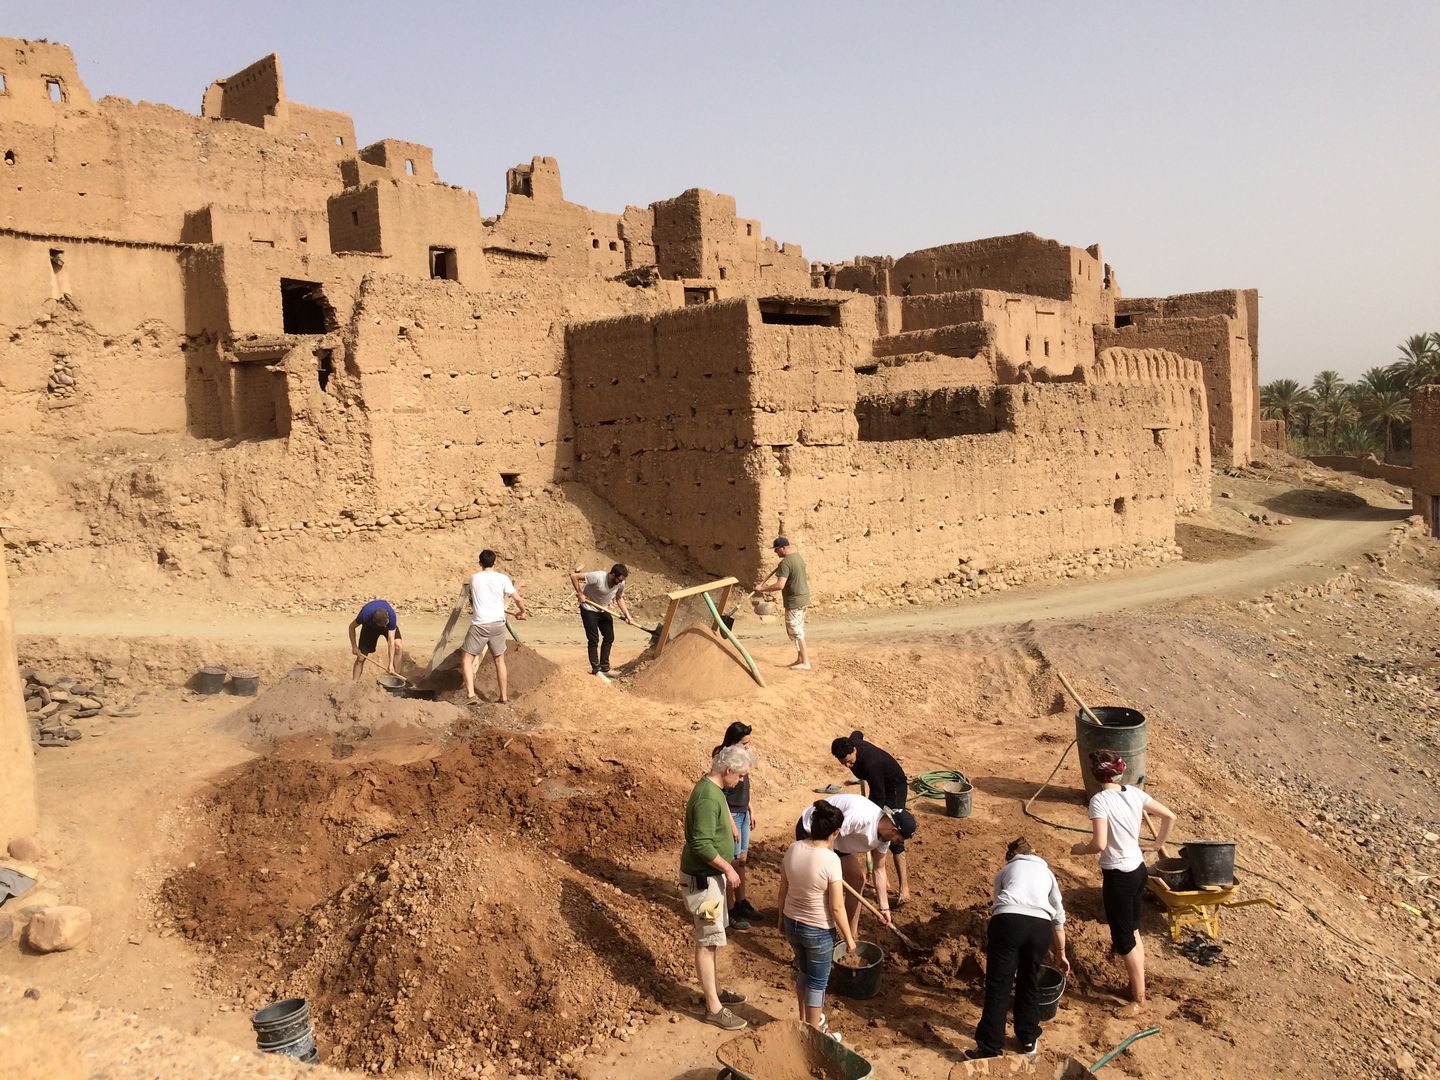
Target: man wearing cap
[[793, 586], [868, 830], [376, 620], [883, 782]]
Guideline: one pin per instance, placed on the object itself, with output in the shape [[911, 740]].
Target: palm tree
[[1284, 399], [1334, 413], [1327, 385], [1419, 361], [1354, 439], [1377, 381], [1386, 410]]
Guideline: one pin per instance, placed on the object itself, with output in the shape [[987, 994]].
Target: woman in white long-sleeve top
[[1116, 812], [1027, 924]]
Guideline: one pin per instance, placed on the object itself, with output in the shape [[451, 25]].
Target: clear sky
[[1292, 146]]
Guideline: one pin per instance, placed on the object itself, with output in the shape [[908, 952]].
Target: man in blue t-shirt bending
[[375, 618]]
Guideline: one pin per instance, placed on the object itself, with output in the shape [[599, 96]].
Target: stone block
[[56, 929]]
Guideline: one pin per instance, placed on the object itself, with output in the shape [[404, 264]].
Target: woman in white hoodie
[[1027, 925]]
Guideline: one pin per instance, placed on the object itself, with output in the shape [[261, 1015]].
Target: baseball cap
[[781, 541], [903, 820]]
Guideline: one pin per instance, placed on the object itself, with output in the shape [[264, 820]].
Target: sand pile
[[525, 669], [444, 913], [303, 702], [696, 666]]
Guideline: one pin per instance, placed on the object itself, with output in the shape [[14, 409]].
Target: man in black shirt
[[883, 781]]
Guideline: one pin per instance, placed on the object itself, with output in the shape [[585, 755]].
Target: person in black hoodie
[[883, 782]]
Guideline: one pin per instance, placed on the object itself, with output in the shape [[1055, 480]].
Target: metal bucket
[[957, 799], [858, 982], [1174, 872], [395, 684], [210, 679], [1124, 732], [245, 683]]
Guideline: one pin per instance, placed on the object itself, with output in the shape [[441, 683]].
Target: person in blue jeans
[[742, 824], [812, 911]]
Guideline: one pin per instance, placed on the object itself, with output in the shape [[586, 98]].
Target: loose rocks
[[56, 929]]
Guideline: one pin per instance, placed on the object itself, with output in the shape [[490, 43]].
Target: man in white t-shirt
[[596, 591], [489, 591], [868, 830]]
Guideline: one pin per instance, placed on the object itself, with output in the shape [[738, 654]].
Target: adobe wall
[[19, 813], [1367, 465], [36, 73], [1220, 330], [1023, 263], [405, 221], [697, 234], [575, 240], [1274, 435], [1425, 454]]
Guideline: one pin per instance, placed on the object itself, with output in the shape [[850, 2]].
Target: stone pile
[[54, 702], [61, 383]]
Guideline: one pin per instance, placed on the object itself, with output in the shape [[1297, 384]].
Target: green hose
[[927, 784]]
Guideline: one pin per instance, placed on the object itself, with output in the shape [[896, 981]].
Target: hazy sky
[[1292, 147]]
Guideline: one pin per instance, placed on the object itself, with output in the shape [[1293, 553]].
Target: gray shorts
[[482, 636], [795, 624], [708, 893]]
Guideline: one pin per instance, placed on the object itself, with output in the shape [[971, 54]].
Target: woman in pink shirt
[[812, 910]]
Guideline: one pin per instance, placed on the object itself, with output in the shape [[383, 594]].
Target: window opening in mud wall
[[799, 313], [614, 245], [510, 479], [699, 295], [339, 140], [748, 230], [1435, 515], [442, 264], [54, 90], [1047, 346], [303, 308], [1124, 320], [325, 359], [595, 243], [4, 89], [354, 217], [409, 167], [722, 273], [9, 157], [1119, 505], [58, 285], [1027, 344]]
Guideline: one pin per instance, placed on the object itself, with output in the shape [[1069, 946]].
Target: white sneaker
[[601, 676]]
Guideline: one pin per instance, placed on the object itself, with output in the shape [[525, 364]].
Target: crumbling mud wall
[[1220, 330], [1274, 436], [1425, 455], [880, 486]]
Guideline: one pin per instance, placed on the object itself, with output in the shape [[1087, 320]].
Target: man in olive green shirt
[[791, 582], [705, 872]]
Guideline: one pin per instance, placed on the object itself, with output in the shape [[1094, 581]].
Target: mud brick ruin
[[328, 339]]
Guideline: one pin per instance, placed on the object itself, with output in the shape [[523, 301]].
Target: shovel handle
[[876, 910]]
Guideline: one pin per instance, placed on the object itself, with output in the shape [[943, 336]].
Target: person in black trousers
[[1027, 924], [883, 783]]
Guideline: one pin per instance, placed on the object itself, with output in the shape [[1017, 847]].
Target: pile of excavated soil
[[780, 1051], [446, 913], [304, 703], [525, 669], [696, 666]]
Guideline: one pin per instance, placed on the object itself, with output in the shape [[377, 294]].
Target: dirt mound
[[303, 702], [388, 894], [696, 666], [525, 669]]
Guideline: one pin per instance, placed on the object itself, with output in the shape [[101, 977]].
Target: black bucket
[[957, 798], [394, 684], [857, 982], [1049, 985], [1121, 730], [244, 684], [1212, 862], [210, 679], [284, 1028], [1175, 873]]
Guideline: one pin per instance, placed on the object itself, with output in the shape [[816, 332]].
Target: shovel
[[894, 929], [1076, 1069], [385, 677]]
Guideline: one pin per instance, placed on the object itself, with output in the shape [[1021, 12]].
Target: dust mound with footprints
[[698, 665]]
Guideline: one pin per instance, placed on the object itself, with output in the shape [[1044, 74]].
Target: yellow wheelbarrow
[[1199, 908]]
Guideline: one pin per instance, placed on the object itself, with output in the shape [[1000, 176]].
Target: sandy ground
[[1244, 663]]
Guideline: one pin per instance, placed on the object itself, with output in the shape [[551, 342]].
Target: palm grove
[[1370, 415]]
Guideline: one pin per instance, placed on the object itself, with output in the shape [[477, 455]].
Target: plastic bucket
[[283, 1024], [1174, 872], [957, 799], [1123, 732], [1212, 862], [210, 679], [1049, 985], [862, 981], [245, 684]]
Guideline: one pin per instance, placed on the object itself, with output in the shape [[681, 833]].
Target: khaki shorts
[[795, 623], [481, 636], [706, 892]]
